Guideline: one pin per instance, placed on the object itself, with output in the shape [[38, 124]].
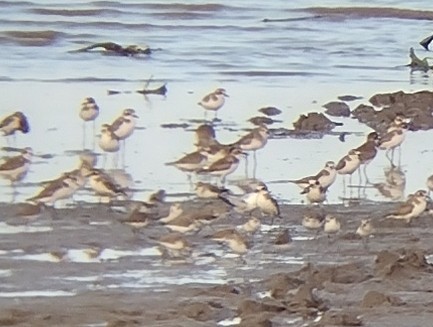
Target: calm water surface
[[296, 65]]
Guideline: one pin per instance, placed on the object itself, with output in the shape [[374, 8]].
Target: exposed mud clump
[[417, 106], [337, 109], [314, 121]]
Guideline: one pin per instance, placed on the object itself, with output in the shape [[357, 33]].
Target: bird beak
[[305, 190], [135, 116]]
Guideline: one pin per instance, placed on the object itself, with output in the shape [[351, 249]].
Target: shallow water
[[296, 65]]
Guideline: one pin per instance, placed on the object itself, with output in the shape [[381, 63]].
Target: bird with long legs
[[368, 151], [89, 111], [15, 168], [213, 101], [347, 166], [326, 177], [109, 143], [253, 141], [123, 127], [394, 137]]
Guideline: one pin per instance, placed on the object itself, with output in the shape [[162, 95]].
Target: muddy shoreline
[[315, 280]]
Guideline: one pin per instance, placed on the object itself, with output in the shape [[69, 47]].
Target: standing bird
[[14, 122], [326, 177], [367, 151], [224, 166], [124, 126], [204, 136], [253, 141], [108, 142], [174, 245], [233, 239], [190, 163], [89, 111], [394, 137], [414, 206], [331, 225], [213, 101], [364, 230], [315, 192], [104, 186], [348, 165], [267, 204], [15, 168], [58, 189]]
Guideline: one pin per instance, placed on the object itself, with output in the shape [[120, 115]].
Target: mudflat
[[82, 267]]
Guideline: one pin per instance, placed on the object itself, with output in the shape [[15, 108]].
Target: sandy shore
[[313, 281]]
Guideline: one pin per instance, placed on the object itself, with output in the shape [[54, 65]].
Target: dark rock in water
[[162, 90], [270, 111], [116, 49], [314, 121], [175, 125], [260, 120], [348, 98], [337, 109], [425, 42], [249, 306]]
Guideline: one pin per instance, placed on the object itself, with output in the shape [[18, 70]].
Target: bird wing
[[116, 124], [13, 163]]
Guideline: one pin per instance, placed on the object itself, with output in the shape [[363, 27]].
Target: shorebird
[[368, 151], [251, 226], [348, 165], [61, 188], [15, 168], [89, 111], [393, 137], [183, 224], [314, 192], [29, 210], [209, 191], [313, 221], [138, 218], [190, 163], [413, 207], [365, 229], [103, 185], [253, 141], [124, 126], [326, 177], [204, 136], [213, 101], [14, 122], [233, 239], [331, 225], [174, 212], [174, 245], [224, 166], [108, 142]]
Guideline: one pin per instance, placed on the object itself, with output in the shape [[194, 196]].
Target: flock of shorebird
[[210, 159]]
